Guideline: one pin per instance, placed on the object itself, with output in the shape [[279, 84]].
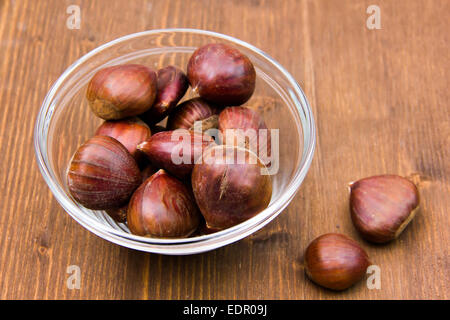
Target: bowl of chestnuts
[[174, 141]]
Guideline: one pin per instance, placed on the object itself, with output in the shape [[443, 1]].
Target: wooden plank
[[380, 98]]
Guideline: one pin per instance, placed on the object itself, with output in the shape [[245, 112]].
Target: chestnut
[[335, 261], [176, 151], [245, 127], [230, 185], [162, 207], [130, 132], [382, 206], [221, 74], [121, 91], [118, 214], [172, 84], [102, 174], [190, 111]]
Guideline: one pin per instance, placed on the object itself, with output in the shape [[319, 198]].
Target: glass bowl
[[65, 121]]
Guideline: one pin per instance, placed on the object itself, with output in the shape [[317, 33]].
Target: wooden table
[[381, 102]]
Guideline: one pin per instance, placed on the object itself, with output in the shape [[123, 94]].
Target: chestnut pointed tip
[[164, 104], [350, 186], [141, 145]]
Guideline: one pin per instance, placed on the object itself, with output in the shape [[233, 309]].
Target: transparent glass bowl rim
[[182, 245]]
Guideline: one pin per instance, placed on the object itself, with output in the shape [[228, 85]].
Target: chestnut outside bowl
[[65, 121]]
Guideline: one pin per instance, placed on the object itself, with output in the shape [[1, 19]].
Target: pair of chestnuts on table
[[381, 207], [127, 168]]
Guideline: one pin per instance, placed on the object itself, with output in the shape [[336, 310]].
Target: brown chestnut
[[172, 85], [382, 206], [130, 132], [335, 261], [246, 128], [102, 174], [122, 91], [118, 214], [190, 111], [162, 207], [221, 74], [230, 185], [176, 151]]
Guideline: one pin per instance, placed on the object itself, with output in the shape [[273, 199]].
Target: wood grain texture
[[381, 102]]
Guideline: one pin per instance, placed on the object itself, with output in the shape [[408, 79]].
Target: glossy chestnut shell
[[130, 132], [242, 126], [162, 207], [121, 91], [190, 111], [335, 261], [176, 151], [221, 74], [172, 85], [230, 185], [382, 206], [102, 174]]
